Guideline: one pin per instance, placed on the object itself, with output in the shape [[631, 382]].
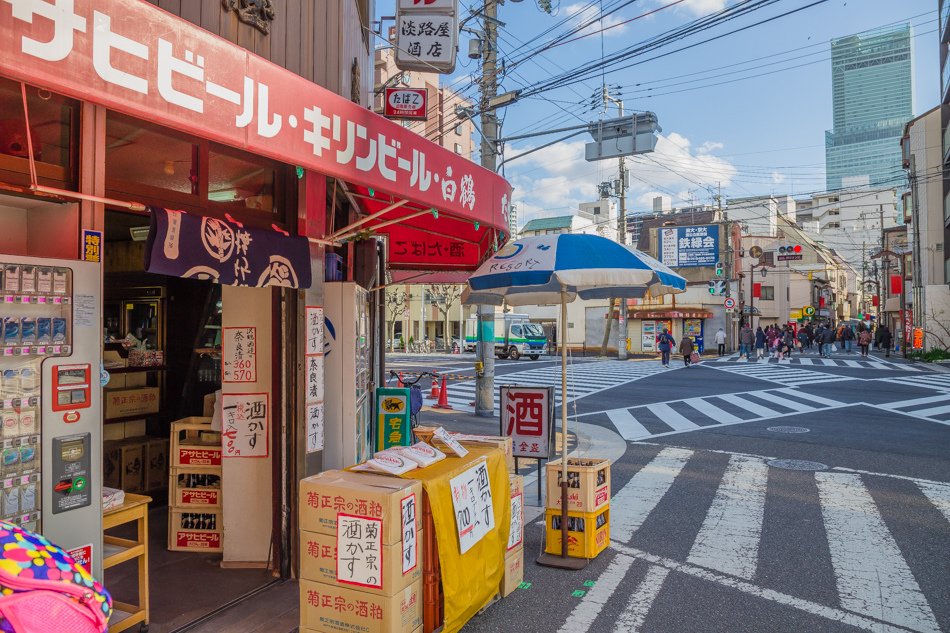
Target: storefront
[[171, 214], [645, 326]]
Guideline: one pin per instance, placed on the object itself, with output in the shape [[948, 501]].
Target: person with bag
[[883, 339], [686, 349], [665, 343], [828, 341], [864, 340]]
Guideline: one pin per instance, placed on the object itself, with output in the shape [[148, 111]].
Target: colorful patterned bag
[[43, 590]]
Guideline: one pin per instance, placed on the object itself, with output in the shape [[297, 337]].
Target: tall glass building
[[873, 98]]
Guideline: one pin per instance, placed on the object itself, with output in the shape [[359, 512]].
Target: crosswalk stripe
[[806, 361], [582, 617], [627, 425], [728, 540], [852, 363], [636, 500], [811, 397], [791, 404], [934, 411], [939, 495], [635, 614], [671, 418], [872, 577], [752, 407], [707, 408], [904, 404]]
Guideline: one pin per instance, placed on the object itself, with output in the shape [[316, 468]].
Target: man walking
[[884, 340], [721, 341], [666, 344], [746, 341], [686, 349], [827, 340]]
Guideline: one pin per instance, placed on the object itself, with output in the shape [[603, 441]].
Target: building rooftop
[[548, 224]]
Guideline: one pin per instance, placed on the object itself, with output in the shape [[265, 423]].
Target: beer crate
[[195, 487], [194, 443], [588, 533], [588, 484], [195, 529]]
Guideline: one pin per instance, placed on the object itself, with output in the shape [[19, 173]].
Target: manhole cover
[[788, 429], [797, 464]]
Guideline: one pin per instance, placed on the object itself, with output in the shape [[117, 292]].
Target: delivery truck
[[515, 336]]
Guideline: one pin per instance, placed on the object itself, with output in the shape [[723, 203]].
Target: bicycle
[[415, 393]]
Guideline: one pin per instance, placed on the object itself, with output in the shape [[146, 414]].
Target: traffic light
[[720, 269], [790, 249], [717, 287], [712, 287]]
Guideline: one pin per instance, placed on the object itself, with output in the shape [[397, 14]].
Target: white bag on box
[[421, 453], [388, 461]]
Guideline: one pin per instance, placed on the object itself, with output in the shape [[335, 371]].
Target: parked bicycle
[[415, 393]]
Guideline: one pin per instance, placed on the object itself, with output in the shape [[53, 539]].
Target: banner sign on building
[[426, 35], [527, 414], [406, 103], [91, 246], [689, 246]]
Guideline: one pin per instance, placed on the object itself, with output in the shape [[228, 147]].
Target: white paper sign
[[244, 424], [313, 329], [443, 436], [426, 41], [240, 354], [313, 371], [472, 502], [409, 548], [516, 529], [314, 427], [359, 548]]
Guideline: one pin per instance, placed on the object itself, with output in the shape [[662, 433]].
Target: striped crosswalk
[[782, 374], [678, 416], [928, 381], [935, 408], [873, 583], [813, 360]]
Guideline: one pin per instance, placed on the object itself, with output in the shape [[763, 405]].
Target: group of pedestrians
[[780, 341]]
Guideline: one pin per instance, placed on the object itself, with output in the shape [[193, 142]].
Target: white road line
[[752, 407], [670, 417], [868, 472], [627, 425], [852, 363], [806, 361], [633, 617], [939, 495], [903, 404], [728, 541], [631, 506], [806, 606], [929, 413], [711, 410], [582, 617], [872, 576], [794, 405], [812, 398]]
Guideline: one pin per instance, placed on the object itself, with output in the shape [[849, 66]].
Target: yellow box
[[318, 563], [588, 484], [121, 403], [328, 608], [514, 571], [588, 533], [325, 495]]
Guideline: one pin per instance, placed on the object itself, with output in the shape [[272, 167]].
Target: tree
[[397, 302], [443, 297], [607, 327]]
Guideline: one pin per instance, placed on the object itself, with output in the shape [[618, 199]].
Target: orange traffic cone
[[443, 397], [399, 381], [434, 394]]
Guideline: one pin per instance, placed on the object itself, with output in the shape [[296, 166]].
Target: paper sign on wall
[[240, 354], [314, 329], [516, 529], [359, 547], [314, 377], [409, 547], [244, 424], [315, 427], [472, 502]]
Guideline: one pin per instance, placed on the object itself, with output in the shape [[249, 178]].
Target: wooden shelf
[[119, 550], [129, 418]]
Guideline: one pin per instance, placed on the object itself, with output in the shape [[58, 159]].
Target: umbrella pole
[[564, 482]]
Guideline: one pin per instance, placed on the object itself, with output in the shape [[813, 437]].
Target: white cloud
[[584, 14], [704, 7], [778, 178]]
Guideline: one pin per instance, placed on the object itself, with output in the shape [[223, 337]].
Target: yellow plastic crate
[[588, 533]]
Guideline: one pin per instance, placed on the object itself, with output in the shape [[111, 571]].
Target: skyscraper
[[872, 100]]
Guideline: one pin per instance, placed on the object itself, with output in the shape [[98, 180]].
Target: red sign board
[[406, 103], [896, 284], [137, 59], [83, 556]]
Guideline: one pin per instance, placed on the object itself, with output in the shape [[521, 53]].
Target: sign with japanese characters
[[314, 377], [91, 246], [392, 418], [689, 246], [406, 103], [314, 329], [426, 42], [421, 248], [239, 357], [516, 527], [245, 424], [527, 414], [410, 549], [134, 58], [472, 502], [315, 425], [359, 551], [181, 244]]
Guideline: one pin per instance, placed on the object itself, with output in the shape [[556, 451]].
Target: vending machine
[[51, 402], [348, 436]]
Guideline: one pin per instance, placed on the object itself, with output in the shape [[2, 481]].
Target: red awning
[[164, 69]]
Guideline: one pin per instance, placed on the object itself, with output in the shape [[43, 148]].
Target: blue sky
[[759, 135]]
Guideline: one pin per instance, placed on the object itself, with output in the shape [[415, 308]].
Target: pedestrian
[[686, 349], [759, 343], [746, 341], [810, 334], [827, 340], [803, 343], [666, 344], [721, 341], [788, 343], [864, 340], [847, 338], [883, 339]]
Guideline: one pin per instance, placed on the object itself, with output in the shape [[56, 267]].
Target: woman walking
[[759, 343], [686, 349], [864, 340]]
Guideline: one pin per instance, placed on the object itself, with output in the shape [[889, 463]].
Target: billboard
[[688, 246]]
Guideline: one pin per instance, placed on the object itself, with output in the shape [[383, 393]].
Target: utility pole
[[621, 237], [485, 349]]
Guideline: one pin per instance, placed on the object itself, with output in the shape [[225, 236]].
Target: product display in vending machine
[[35, 323]]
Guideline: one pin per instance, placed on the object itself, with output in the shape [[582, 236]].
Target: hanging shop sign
[[139, 60], [472, 502], [245, 424], [918, 338], [426, 35], [527, 414], [199, 247], [689, 246], [392, 418], [239, 355], [406, 103], [91, 246]]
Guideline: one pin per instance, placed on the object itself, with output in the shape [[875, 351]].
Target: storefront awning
[[169, 71], [671, 314]]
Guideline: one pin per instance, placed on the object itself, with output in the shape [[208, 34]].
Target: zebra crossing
[[928, 381], [689, 414], [874, 585], [782, 374], [594, 377], [817, 361], [935, 408]]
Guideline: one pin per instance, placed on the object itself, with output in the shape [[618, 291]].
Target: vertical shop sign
[[472, 502], [426, 34], [392, 418], [526, 417], [409, 548], [918, 338], [245, 424], [240, 354], [359, 550], [313, 371], [91, 246]]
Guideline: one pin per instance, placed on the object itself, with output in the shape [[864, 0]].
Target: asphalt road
[[709, 533]]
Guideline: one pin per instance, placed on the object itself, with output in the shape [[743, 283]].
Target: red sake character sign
[[526, 417], [244, 422]]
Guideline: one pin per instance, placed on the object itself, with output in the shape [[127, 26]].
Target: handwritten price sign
[[240, 354], [472, 502]]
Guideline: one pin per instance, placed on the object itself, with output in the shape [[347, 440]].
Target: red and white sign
[[245, 422], [406, 103], [83, 556], [199, 497], [240, 354], [526, 417], [729, 303], [198, 540]]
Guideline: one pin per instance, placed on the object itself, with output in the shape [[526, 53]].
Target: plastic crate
[[588, 484], [195, 529], [588, 533]]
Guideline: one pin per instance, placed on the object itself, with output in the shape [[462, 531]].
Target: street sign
[[406, 103], [808, 311], [794, 315], [426, 35], [755, 251], [788, 258], [527, 414], [730, 310], [729, 303]]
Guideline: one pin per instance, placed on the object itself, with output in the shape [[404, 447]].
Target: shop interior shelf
[[128, 418], [125, 616], [118, 550], [135, 370]]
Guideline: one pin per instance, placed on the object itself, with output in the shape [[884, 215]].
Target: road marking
[[728, 540], [671, 418], [631, 506], [752, 407], [806, 361], [627, 425], [939, 495], [794, 405], [872, 577], [929, 413], [638, 608], [807, 606], [709, 409], [903, 404], [582, 617], [812, 398], [868, 472]]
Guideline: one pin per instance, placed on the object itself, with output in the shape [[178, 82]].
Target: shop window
[[241, 181], [768, 293], [154, 159], [458, 148], [53, 130]]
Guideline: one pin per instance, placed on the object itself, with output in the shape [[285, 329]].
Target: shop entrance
[[162, 348]]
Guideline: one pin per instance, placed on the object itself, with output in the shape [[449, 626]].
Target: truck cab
[[515, 336]]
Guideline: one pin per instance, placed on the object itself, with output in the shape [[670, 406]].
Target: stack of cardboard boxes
[[588, 505], [194, 494], [360, 560]]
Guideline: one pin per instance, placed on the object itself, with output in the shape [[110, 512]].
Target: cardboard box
[[132, 466], [111, 462], [504, 443], [207, 409], [114, 432], [336, 609], [588, 533], [133, 429], [318, 563], [194, 443], [377, 496], [514, 571], [156, 463], [195, 529], [121, 403], [589, 484], [190, 487]]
